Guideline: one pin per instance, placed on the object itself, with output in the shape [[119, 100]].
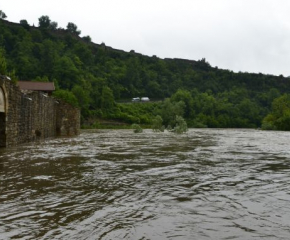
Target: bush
[[157, 124], [66, 96], [279, 117], [137, 128], [181, 125], [267, 126]]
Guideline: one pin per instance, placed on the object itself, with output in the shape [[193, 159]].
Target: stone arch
[[3, 108]]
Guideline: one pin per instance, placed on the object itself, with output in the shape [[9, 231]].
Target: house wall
[[32, 116]]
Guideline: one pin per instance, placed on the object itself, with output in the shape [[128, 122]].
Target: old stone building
[[30, 115]]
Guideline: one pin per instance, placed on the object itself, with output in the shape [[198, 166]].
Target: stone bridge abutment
[[27, 116], [3, 105]]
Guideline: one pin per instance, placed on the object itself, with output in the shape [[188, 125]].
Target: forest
[[101, 81]]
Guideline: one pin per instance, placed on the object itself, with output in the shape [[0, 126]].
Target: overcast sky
[[240, 35]]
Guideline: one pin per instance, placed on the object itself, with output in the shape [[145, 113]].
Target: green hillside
[[97, 78]]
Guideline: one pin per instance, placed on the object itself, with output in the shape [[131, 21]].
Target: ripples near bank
[[114, 184]]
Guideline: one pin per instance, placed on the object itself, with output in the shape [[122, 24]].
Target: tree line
[[94, 76]]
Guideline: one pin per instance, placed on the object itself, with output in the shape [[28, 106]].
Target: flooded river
[[114, 184]]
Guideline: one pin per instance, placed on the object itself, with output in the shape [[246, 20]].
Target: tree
[[24, 24], [250, 111], [82, 96], [67, 96], [279, 117], [67, 73], [181, 125], [2, 15], [209, 97], [41, 79], [53, 25], [3, 64], [48, 54], [185, 96], [169, 110], [72, 28], [107, 99], [203, 64], [87, 38], [157, 124], [136, 128], [44, 22]]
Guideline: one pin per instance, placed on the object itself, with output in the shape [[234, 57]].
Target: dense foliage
[[137, 128], [96, 77], [279, 117]]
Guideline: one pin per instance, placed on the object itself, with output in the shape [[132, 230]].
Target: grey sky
[[240, 35]]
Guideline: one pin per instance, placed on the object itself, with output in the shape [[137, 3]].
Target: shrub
[[137, 128], [157, 124], [181, 125]]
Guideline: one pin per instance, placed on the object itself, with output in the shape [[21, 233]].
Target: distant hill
[[94, 75]]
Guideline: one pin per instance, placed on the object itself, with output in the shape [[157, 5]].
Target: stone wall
[[34, 115], [67, 120]]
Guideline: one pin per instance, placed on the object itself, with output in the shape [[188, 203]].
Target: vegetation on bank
[[279, 117], [137, 128], [95, 77]]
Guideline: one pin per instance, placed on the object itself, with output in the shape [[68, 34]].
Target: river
[[114, 184]]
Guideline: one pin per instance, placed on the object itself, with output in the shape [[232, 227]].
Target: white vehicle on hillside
[[145, 99], [136, 99]]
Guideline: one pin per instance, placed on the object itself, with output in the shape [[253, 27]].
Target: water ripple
[[206, 184]]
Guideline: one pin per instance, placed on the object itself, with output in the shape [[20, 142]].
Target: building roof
[[36, 86]]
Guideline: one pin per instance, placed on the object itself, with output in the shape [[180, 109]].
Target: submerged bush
[[267, 126], [136, 128], [181, 125], [157, 124]]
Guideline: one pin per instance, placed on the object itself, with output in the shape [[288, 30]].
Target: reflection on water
[[207, 184]]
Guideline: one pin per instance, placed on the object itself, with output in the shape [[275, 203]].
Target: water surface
[[114, 184]]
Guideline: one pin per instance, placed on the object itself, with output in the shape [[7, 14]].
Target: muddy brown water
[[114, 184]]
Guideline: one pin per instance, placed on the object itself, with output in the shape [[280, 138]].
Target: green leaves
[[44, 22], [2, 15], [72, 28], [66, 71], [169, 110], [136, 128], [3, 64], [24, 24], [157, 124], [186, 97], [279, 118], [107, 99], [181, 125], [94, 75], [66, 96]]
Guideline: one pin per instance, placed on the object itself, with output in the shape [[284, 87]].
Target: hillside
[[95, 76]]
